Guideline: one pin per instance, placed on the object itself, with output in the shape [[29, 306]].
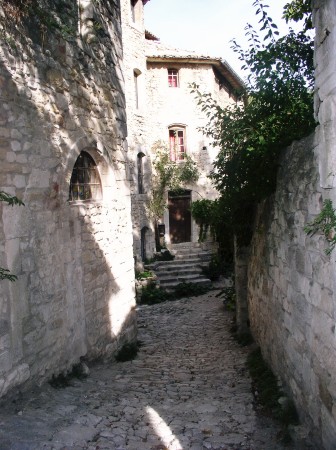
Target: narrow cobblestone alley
[[187, 389]]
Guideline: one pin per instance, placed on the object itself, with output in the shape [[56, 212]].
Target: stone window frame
[[173, 77], [136, 11], [177, 151], [90, 171]]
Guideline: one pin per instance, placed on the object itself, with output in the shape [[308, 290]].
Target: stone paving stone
[[188, 389]]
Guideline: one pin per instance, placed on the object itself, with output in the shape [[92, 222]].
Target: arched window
[[141, 189], [85, 181], [173, 78], [177, 143]]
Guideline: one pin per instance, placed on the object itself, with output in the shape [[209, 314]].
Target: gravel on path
[[188, 388]]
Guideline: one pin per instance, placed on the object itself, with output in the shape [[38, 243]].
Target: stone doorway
[[179, 216]]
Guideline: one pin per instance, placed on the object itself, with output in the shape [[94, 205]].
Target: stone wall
[[291, 280], [62, 91], [134, 66], [291, 292]]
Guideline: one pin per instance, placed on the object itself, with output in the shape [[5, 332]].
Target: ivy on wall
[[168, 176]]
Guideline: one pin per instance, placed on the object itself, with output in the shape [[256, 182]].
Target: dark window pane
[[85, 181]]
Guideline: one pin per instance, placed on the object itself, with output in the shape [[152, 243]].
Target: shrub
[[151, 295], [269, 395], [127, 352], [143, 275], [214, 269], [189, 290]]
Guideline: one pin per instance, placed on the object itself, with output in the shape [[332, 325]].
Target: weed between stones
[[128, 352], [79, 371], [151, 294], [269, 397]]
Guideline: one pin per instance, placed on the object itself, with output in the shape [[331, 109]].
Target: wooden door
[[179, 217]]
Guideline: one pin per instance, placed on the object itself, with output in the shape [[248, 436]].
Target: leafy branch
[[6, 275], [325, 223], [169, 175], [10, 200], [278, 109], [203, 211]]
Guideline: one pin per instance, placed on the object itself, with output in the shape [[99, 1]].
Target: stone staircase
[[190, 257]]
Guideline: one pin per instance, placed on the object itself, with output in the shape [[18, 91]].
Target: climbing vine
[[168, 175], [203, 211], [40, 17]]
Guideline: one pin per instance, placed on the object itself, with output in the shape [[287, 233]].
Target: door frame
[[187, 194]]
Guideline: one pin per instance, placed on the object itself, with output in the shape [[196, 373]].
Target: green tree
[[10, 200], [277, 109]]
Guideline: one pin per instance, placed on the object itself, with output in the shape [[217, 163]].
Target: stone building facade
[[159, 103], [174, 117], [134, 65], [63, 152], [291, 281]]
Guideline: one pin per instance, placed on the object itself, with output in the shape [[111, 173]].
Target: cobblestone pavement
[[187, 389]]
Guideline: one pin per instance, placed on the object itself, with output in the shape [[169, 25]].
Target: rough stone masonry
[[290, 279], [61, 94]]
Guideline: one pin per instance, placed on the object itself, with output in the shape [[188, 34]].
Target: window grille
[[85, 181]]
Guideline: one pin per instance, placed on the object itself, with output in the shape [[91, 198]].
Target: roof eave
[[221, 65]]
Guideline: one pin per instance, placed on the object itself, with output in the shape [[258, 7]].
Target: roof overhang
[[220, 65]]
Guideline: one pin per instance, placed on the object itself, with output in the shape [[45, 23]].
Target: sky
[[207, 26]]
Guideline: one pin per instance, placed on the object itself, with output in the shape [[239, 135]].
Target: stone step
[[190, 257], [170, 285], [196, 272], [186, 247], [180, 262], [202, 255], [179, 269]]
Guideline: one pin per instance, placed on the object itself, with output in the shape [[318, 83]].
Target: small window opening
[[85, 181], [144, 243], [173, 78], [136, 10], [141, 189], [136, 74]]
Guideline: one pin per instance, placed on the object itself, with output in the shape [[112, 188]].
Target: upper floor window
[[177, 143], [136, 6], [136, 74], [173, 78], [140, 173], [85, 181]]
